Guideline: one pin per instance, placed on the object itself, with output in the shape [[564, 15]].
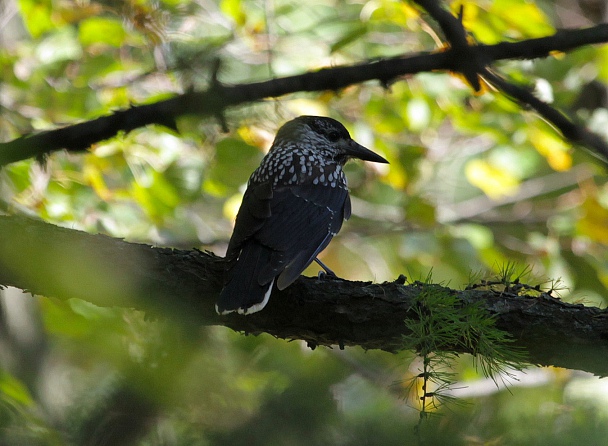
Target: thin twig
[[576, 133]]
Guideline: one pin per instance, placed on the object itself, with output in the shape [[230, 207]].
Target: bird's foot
[[327, 274], [322, 275], [324, 266]]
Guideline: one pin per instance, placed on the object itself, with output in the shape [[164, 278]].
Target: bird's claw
[[324, 275], [326, 271]]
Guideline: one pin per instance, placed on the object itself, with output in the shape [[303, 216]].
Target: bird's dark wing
[[303, 219], [245, 257], [278, 233], [254, 211]]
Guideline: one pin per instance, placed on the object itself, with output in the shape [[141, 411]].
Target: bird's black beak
[[356, 150]]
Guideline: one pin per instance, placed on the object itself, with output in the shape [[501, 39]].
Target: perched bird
[[295, 202]]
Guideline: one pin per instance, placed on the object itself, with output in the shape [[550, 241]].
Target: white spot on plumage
[[254, 308]]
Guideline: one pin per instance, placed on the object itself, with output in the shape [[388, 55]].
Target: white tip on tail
[[252, 309]]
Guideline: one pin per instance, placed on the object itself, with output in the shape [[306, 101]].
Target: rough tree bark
[[63, 263]]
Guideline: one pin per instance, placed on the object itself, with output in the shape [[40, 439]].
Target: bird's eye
[[333, 136]]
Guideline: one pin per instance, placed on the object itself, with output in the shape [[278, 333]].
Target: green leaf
[[159, 198], [12, 388], [36, 15], [235, 161], [420, 211], [59, 46], [103, 30], [349, 38]]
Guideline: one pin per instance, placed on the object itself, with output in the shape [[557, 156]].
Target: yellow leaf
[[553, 148], [397, 12], [95, 179], [232, 205], [493, 181], [594, 221], [234, 9]]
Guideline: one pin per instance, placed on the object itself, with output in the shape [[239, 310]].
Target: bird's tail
[[242, 291]]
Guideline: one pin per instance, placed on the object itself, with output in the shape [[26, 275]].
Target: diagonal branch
[[456, 35], [64, 264], [576, 133], [212, 102]]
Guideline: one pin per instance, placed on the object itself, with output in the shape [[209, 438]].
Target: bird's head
[[327, 136]]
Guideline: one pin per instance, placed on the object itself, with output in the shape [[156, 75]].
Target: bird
[[295, 202]]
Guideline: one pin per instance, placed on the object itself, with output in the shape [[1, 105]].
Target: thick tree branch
[[214, 101], [456, 35], [63, 263]]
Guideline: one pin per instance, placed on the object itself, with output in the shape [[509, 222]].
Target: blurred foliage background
[[474, 182]]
